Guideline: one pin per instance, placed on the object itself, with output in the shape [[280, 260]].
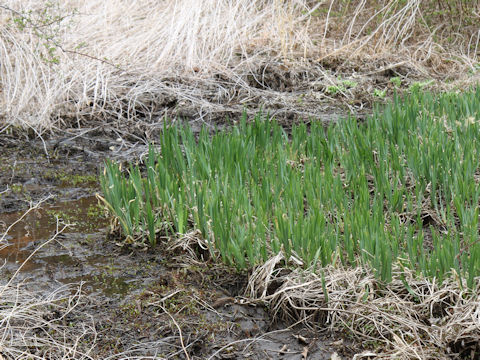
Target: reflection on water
[[41, 224], [65, 260]]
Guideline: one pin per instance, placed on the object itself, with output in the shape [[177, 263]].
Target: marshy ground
[[83, 81], [133, 301]]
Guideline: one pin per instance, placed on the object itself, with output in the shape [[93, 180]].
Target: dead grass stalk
[[410, 318], [62, 64]]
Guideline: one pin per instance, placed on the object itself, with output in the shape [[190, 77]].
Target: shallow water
[[72, 257]]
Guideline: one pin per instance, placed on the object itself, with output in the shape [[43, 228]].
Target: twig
[[179, 330], [48, 39], [32, 207], [57, 232], [228, 345]]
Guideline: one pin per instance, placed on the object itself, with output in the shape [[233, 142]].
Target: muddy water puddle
[[77, 254]]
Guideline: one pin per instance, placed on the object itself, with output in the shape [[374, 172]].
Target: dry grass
[[63, 323], [122, 60], [36, 327], [425, 320], [135, 51]]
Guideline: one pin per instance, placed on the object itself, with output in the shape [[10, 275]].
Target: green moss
[[96, 211], [67, 179], [16, 188]]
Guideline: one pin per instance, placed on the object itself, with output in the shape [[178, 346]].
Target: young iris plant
[[358, 192]]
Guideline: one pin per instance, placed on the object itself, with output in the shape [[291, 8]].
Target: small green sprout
[[334, 89], [349, 84], [380, 93], [340, 86], [396, 81], [419, 86]]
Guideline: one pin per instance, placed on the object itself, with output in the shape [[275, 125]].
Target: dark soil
[[138, 297]]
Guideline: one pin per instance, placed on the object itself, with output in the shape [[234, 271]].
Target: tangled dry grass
[[37, 327], [65, 63], [410, 318], [64, 322]]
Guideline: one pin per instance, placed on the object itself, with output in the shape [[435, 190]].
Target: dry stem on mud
[[37, 326]]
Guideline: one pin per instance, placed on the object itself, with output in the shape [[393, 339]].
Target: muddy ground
[[143, 303]]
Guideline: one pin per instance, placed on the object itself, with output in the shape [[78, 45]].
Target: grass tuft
[[401, 189]]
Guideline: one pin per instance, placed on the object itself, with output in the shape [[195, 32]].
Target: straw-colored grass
[[62, 63], [64, 322], [36, 324], [112, 58], [427, 321]]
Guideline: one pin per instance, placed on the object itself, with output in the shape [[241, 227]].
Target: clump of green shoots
[[399, 190]]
